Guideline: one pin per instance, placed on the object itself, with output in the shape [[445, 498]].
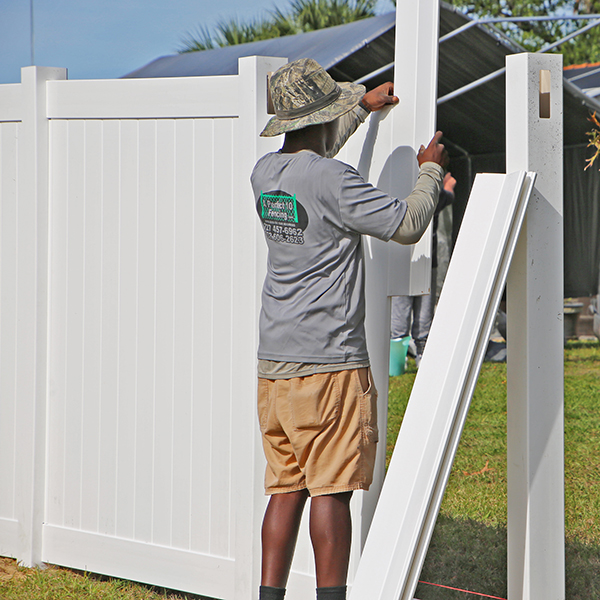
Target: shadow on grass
[[468, 555]]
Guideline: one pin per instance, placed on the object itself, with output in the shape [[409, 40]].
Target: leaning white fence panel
[[434, 418]]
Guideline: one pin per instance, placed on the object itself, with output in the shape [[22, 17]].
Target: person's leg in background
[[423, 309], [402, 312]]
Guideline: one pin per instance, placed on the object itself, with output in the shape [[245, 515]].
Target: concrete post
[[534, 99]]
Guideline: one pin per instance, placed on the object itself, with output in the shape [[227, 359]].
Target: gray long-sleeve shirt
[[314, 211]]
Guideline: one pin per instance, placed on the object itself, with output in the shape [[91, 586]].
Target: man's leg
[[279, 534], [331, 536]]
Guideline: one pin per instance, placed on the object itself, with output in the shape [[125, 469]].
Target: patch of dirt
[[9, 569]]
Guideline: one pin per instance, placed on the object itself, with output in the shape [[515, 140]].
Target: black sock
[[332, 593], [271, 593]]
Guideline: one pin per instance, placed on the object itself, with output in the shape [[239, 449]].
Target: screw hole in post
[[544, 94]]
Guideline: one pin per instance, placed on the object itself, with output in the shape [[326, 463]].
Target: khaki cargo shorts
[[319, 432]]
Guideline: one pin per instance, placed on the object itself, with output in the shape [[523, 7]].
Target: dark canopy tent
[[586, 77], [473, 122], [346, 51]]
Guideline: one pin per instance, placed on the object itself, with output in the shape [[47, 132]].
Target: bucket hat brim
[[349, 97]]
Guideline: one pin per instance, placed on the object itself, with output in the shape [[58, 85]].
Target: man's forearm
[[421, 204]]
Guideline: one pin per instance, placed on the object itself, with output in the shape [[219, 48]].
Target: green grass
[[54, 583], [468, 548]]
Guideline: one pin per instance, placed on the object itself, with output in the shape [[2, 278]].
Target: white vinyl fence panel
[[8, 331], [140, 361], [131, 264], [136, 284], [149, 194]]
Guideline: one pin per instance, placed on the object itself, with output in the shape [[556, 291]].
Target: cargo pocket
[[368, 410], [314, 401], [264, 404]]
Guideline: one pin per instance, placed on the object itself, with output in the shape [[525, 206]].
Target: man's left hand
[[449, 183], [379, 97]]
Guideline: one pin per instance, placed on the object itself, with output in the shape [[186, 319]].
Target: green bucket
[[398, 350]]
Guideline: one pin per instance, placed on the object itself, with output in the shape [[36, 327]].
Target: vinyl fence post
[[32, 310], [249, 250], [392, 269], [535, 415]]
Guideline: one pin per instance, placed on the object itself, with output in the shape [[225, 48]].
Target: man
[[316, 401]]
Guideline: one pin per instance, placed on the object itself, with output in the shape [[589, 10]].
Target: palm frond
[[195, 41], [303, 15]]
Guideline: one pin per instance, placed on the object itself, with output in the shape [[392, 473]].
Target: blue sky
[[109, 38]]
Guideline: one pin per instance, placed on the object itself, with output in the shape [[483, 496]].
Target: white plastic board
[[413, 489]]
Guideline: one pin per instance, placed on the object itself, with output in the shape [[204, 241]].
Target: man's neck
[[289, 148], [310, 138]]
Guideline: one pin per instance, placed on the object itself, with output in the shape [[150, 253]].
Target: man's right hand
[[379, 97], [435, 152]]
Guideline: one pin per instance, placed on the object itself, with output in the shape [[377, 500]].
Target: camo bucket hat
[[304, 94]]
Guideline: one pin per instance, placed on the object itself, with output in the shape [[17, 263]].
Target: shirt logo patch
[[284, 219], [277, 207]]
